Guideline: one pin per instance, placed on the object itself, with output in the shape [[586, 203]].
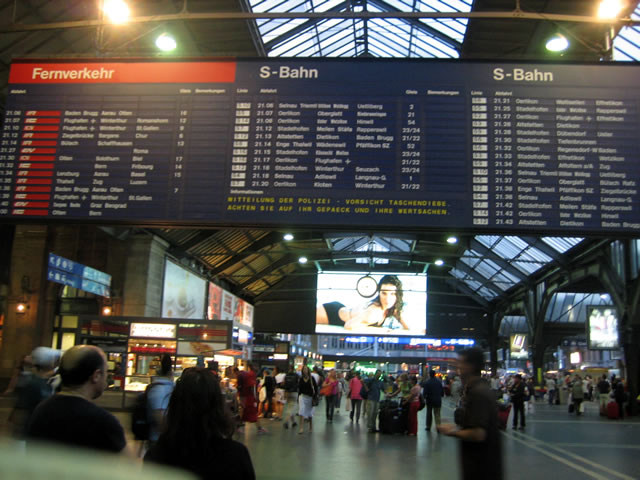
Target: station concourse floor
[[555, 445]]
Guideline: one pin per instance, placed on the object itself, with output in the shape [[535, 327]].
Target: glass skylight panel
[[562, 244], [387, 37], [626, 46]]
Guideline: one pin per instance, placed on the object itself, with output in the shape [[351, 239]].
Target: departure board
[[370, 143]]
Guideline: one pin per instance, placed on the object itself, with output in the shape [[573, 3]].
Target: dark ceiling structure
[[486, 269]]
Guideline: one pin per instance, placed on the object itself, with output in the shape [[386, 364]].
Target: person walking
[[355, 387], [247, 397], [343, 387], [577, 393], [551, 389], [199, 430], [373, 387], [307, 392], [433, 393], [477, 422], [620, 396], [603, 389], [414, 405], [331, 385], [517, 391], [291, 405]]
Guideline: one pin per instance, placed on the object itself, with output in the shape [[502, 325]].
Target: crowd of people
[[192, 420]]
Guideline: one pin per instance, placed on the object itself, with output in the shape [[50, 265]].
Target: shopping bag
[[348, 405]]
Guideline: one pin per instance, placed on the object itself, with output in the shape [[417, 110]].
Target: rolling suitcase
[[613, 412], [391, 421], [503, 416]]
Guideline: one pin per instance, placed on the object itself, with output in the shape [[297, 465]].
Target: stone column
[[144, 274]]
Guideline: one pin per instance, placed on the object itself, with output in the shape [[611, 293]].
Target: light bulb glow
[[166, 43], [610, 9], [452, 240], [106, 311], [21, 308], [303, 260], [557, 43], [117, 11], [288, 237], [439, 262]]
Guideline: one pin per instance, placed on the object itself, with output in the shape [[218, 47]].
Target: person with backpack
[[158, 394], [291, 395]]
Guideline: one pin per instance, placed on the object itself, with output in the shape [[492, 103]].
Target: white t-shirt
[[280, 378]]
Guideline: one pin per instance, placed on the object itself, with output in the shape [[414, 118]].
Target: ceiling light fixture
[[106, 310], [166, 43], [21, 307], [610, 9], [439, 262], [288, 237], [117, 11], [557, 43], [452, 240], [303, 260]]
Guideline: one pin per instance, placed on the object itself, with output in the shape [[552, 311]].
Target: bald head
[[80, 363]]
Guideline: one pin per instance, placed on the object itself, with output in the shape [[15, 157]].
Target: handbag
[[315, 401], [572, 407], [326, 390], [423, 403]]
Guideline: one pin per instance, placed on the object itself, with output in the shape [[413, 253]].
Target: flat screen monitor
[[602, 327], [371, 303]]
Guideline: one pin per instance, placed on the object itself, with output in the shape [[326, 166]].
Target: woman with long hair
[[385, 311], [307, 391], [331, 384], [198, 431]]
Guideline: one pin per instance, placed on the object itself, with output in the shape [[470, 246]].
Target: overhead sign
[[153, 330], [399, 144], [73, 274]]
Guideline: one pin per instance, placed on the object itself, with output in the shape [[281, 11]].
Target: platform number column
[[480, 147], [240, 145]]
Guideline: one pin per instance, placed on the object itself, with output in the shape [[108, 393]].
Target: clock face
[[367, 286]]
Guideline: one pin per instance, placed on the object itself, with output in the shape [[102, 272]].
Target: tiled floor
[[555, 445]]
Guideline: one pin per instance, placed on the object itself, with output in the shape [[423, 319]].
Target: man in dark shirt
[[477, 420], [518, 395], [71, 417], [433, 393]]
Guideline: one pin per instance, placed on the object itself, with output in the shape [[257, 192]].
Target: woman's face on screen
[[388, 295]]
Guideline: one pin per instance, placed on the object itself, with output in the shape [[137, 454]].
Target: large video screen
[[602, 327], [372, 303], [183, 293]]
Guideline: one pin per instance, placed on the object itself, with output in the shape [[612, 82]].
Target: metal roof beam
[[548, 250], [497, 259], [418, 25], [520, 15], [481, 279], [462, 287], [268, 240]]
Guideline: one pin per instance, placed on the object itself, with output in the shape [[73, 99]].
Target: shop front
[[135, 345]]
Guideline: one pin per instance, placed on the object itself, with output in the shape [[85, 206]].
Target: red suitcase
[[613, 412], [503, 416]]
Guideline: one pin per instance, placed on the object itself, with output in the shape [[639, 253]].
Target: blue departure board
[[370, 143]]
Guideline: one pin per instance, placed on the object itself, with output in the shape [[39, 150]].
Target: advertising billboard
[[371, 303], [602, 328], [183, 293]]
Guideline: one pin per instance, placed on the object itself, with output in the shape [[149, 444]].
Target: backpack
[[364, 391], [291, 382], [140, 424]]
